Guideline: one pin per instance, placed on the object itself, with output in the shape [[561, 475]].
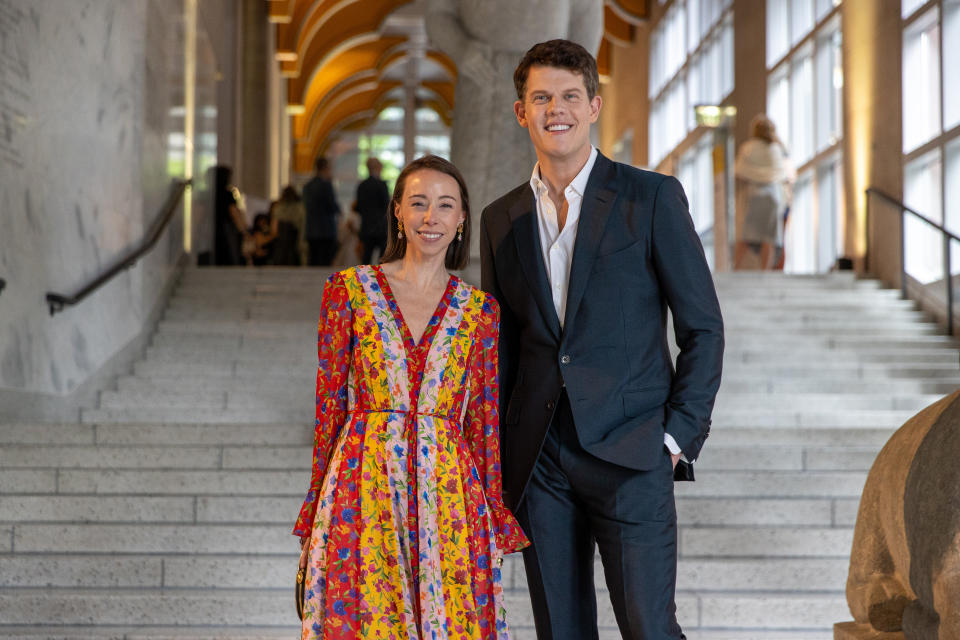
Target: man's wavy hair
[[564, 54]]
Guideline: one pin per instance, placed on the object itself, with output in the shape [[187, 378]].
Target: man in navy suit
[[596, 423]]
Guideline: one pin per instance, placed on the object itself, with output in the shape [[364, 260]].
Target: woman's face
[[431, 210]]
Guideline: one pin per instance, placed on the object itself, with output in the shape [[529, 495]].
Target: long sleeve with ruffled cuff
[[334, 344], [481, 428]]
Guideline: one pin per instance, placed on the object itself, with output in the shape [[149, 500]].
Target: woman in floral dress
[[404, 526]]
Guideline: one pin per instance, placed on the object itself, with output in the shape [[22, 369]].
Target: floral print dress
[[404, 513]]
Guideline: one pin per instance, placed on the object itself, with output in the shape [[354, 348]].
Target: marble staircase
[[165, 513]]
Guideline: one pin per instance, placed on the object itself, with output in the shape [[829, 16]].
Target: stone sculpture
[[904, 580], [486, 41]]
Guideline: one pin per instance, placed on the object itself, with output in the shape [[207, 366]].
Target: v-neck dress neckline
[[432, 325]]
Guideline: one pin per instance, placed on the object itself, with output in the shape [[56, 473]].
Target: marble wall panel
[[70, 184], [91, 107]]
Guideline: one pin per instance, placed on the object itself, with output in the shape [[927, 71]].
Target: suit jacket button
[[550, 405], [565, 359]]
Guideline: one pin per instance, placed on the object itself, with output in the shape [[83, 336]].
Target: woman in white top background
[[764, 176]]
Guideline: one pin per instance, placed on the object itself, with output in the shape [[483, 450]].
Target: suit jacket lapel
[[598, 199], [524, 220]]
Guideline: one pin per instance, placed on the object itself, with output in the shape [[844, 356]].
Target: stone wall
[[91, 96]]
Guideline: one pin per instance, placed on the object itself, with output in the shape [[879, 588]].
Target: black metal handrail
[[58, 301], [947, 237]]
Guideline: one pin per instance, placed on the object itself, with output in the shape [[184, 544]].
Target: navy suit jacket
[[636, 254]]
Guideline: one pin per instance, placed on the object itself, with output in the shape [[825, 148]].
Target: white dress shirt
[[557, 244]]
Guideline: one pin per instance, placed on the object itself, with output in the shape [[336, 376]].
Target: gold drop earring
[[460, 232], [399, 229]]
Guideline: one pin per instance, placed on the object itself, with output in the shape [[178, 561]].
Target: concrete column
[[750, 78], [410, 83], [749, 64], [254, 127], [276, 110], [872, 140]]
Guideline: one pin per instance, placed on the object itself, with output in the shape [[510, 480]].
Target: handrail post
[[866, 233], [948, 278], [903, 254]]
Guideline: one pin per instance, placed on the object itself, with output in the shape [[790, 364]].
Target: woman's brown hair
[[457, 251]]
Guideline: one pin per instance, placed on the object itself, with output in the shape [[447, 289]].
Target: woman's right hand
[[304, 549]]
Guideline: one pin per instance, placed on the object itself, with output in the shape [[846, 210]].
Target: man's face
[[557, 112]]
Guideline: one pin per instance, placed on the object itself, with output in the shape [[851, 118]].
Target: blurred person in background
[[765, 176], [373, 199], [322, 215]]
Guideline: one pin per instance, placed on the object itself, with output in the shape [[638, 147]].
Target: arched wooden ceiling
[[338, 58]]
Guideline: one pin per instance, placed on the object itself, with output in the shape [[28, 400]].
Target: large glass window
[[921, 185], [801, 108], [800, 234], [691, 62], [829, 211], [907, 7], [801, 20], [829, 90], [778, 30], [952, 185], [931, 138], [921, 192], [695, 172], [804, 100], [921, 80], [951, 61]]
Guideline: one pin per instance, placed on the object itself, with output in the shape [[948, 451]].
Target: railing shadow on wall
[[57, 301], [3, 285], [908, 282]]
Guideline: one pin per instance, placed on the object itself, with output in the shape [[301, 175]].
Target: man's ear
[[521, 113], [595, 105]]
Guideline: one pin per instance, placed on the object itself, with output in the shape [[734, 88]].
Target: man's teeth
[[558, 127]]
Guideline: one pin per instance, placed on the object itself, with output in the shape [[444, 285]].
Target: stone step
[[766, 542], [281, 510], [296, 355], [278, 433], [186, 607], [746, 351], [302, 397], [178, 538], [293, 329], [287, 414], [254, 370], [215, 384], [774, 484], [256, 482], [905, 321], [717, 457], [849, 371], [914, 356], [815, 417], [159, 483], [19, 632], [272, 571], [122, 632], [772, 612], [793, 402], [185, 415], [190, 341], [762, 384], [301, 434], [201, 397]]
